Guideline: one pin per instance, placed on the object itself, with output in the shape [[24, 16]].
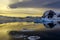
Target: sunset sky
[[21, 4]]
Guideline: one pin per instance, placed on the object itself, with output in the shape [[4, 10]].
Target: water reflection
[[39, 35], [36, 35]]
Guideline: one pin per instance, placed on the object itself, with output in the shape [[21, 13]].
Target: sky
[[36, 4], [13, 4]]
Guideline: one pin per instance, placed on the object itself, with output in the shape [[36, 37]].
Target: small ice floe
[[33, 37]]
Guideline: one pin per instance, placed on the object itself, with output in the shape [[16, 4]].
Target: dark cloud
[[37, 4], [53, 5]]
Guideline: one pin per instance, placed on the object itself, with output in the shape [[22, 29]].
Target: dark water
[[44, 35]]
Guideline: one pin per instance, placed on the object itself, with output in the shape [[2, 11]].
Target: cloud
[[53, 5], [36, 4]]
